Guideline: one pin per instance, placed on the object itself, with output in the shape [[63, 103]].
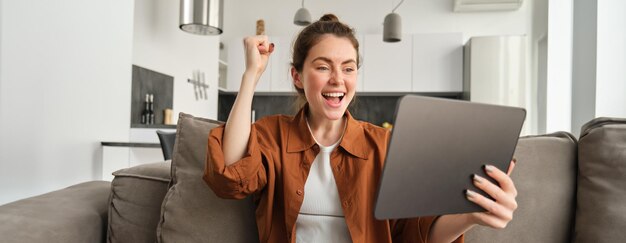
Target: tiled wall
[[146, 81], [373, 109]]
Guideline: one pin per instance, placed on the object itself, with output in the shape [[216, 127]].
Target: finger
[[503, 179], [490, 220], [492, 207], [511, 166], [495, 192], [263, 44], [271, 47]]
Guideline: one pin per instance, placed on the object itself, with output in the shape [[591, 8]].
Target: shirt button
[[346, 204], [299, 192]]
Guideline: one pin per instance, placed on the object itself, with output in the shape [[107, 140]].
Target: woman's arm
[[499, 213], [237, 130]]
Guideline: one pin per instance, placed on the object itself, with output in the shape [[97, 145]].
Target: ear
[[297, 78]]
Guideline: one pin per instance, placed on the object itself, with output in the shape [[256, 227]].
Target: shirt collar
[[299, 137]]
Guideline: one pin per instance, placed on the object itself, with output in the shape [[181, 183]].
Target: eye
[[349, 69], [322, 68]]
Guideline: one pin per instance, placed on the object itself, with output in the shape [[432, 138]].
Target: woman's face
[[329, 77]]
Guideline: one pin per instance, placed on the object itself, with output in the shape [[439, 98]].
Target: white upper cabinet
[[438, 62], [237, 65], [281, 65], [386, 66], [418, 63], [359, 86]]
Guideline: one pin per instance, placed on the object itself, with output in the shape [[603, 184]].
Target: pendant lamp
[[302, 17], [392, 28], [201, 17]]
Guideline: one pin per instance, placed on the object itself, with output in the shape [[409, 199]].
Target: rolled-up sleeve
[[238, 180], [414, 230]]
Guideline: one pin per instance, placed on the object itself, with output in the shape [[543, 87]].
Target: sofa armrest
[[74, 214], [135, 206], [601, 195]]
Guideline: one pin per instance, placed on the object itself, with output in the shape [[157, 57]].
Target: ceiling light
[[302, 17], [392, 28]]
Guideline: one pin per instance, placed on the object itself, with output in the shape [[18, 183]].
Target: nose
[[336, 77]]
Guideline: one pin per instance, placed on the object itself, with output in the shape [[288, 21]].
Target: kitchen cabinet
[[386, 66], [495, 70], [281, 65], [120, 155], [437, 62], [359, 86], [144, 148], [419, 63]]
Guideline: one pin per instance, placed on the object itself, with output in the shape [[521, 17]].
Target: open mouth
[[334, 98]]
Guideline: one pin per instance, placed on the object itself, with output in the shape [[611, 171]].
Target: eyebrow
[[330, 61]]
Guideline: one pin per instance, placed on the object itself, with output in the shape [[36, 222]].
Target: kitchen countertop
[[131, 144]]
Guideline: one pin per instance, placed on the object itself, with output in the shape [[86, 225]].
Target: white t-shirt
[[321, 216]]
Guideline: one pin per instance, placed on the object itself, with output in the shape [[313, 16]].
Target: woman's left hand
[[500, 209]]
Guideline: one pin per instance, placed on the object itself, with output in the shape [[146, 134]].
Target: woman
[[314, 175]]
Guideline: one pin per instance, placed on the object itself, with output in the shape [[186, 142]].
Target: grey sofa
[[569, 190]]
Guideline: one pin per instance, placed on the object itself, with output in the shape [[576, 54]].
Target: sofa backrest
[[545, 178], [601, 211], [191, 212]]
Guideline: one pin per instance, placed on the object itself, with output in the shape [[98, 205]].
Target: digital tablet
[[436, 145]]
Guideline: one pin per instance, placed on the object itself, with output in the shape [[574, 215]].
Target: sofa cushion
[[191, 212], [135, 205], [545, 178], [601, 212], [74, 214]]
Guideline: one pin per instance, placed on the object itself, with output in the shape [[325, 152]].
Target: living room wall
[[611, 73], [65, 86], [159, 45], [599, 58]]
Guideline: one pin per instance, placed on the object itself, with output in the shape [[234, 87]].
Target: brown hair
[[310, 36]]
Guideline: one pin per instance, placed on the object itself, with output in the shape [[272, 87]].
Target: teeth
[[333, 94]]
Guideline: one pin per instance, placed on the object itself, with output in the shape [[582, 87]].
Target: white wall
[[599, 58], [538, 66], [584, 62], [559, 70], [66, 70], [611, 66], [159, 44], [1, 37]]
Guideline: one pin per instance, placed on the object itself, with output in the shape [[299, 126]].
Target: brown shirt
[[275, 168]]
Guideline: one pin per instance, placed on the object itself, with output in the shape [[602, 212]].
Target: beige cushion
[[545, 178], [601, 212], [191, 212], [136, 197]]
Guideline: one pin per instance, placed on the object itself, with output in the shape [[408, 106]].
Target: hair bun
[[329, 17]]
